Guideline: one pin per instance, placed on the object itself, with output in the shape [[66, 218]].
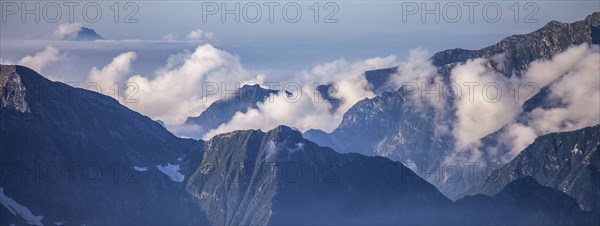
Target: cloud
[[420, 73], [303, 110], [574, 90], [199, 34], [417, 69], [6, 61], [177, 90], [543, 72], [577, 91], [574, 84], [300, 112], [41, 59], [169, 37], [67, 31], [352, 85], [115, 72], [339, 69], [484, 105], [519, 136]]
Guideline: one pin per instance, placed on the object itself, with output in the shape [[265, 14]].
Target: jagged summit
[[84, 34], [543, 43]]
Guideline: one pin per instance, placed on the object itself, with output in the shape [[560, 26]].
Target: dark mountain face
[[251, 177], [85, 34], [568, 161], [392, 126], [222, 111], [524, 202], [75, 156], [277, 177], [76, 160], [520, 50]]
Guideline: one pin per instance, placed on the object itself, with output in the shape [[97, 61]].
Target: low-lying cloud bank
[[488, 102]]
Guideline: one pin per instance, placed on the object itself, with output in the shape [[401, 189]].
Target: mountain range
[[73, 156], [54, 146], [390, 125]]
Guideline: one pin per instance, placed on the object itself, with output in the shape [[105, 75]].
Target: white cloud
[[417, 69], [115, 72], [484, 106], [41, 59], [169, 37], [420, 73], [543, 72], [578, 90], [6, 61], [210, 35], [518, 136], [176, 91], [574, 84], [352, 86], [307, 112], [67, 31], [302, 113], [199, 34]]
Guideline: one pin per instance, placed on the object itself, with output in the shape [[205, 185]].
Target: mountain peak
[[593, 18], [84, 34], [283, 132]]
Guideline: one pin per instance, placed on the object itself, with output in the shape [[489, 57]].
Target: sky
[[355, 29], [160, 43]]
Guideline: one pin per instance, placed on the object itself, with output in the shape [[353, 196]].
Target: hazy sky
[[161, 46], [359, 29]]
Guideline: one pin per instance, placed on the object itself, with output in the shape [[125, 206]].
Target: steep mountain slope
[[524, 202], [76, 156], [279, 178], [390, 125], [252, 177], [567, 161]]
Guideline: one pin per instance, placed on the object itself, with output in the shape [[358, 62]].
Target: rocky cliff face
[[13, 91]]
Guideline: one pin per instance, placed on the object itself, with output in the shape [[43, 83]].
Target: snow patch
[[575, 150], [172, 171], [298, 147], [140, 168], [17, 209], [271, 150]]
